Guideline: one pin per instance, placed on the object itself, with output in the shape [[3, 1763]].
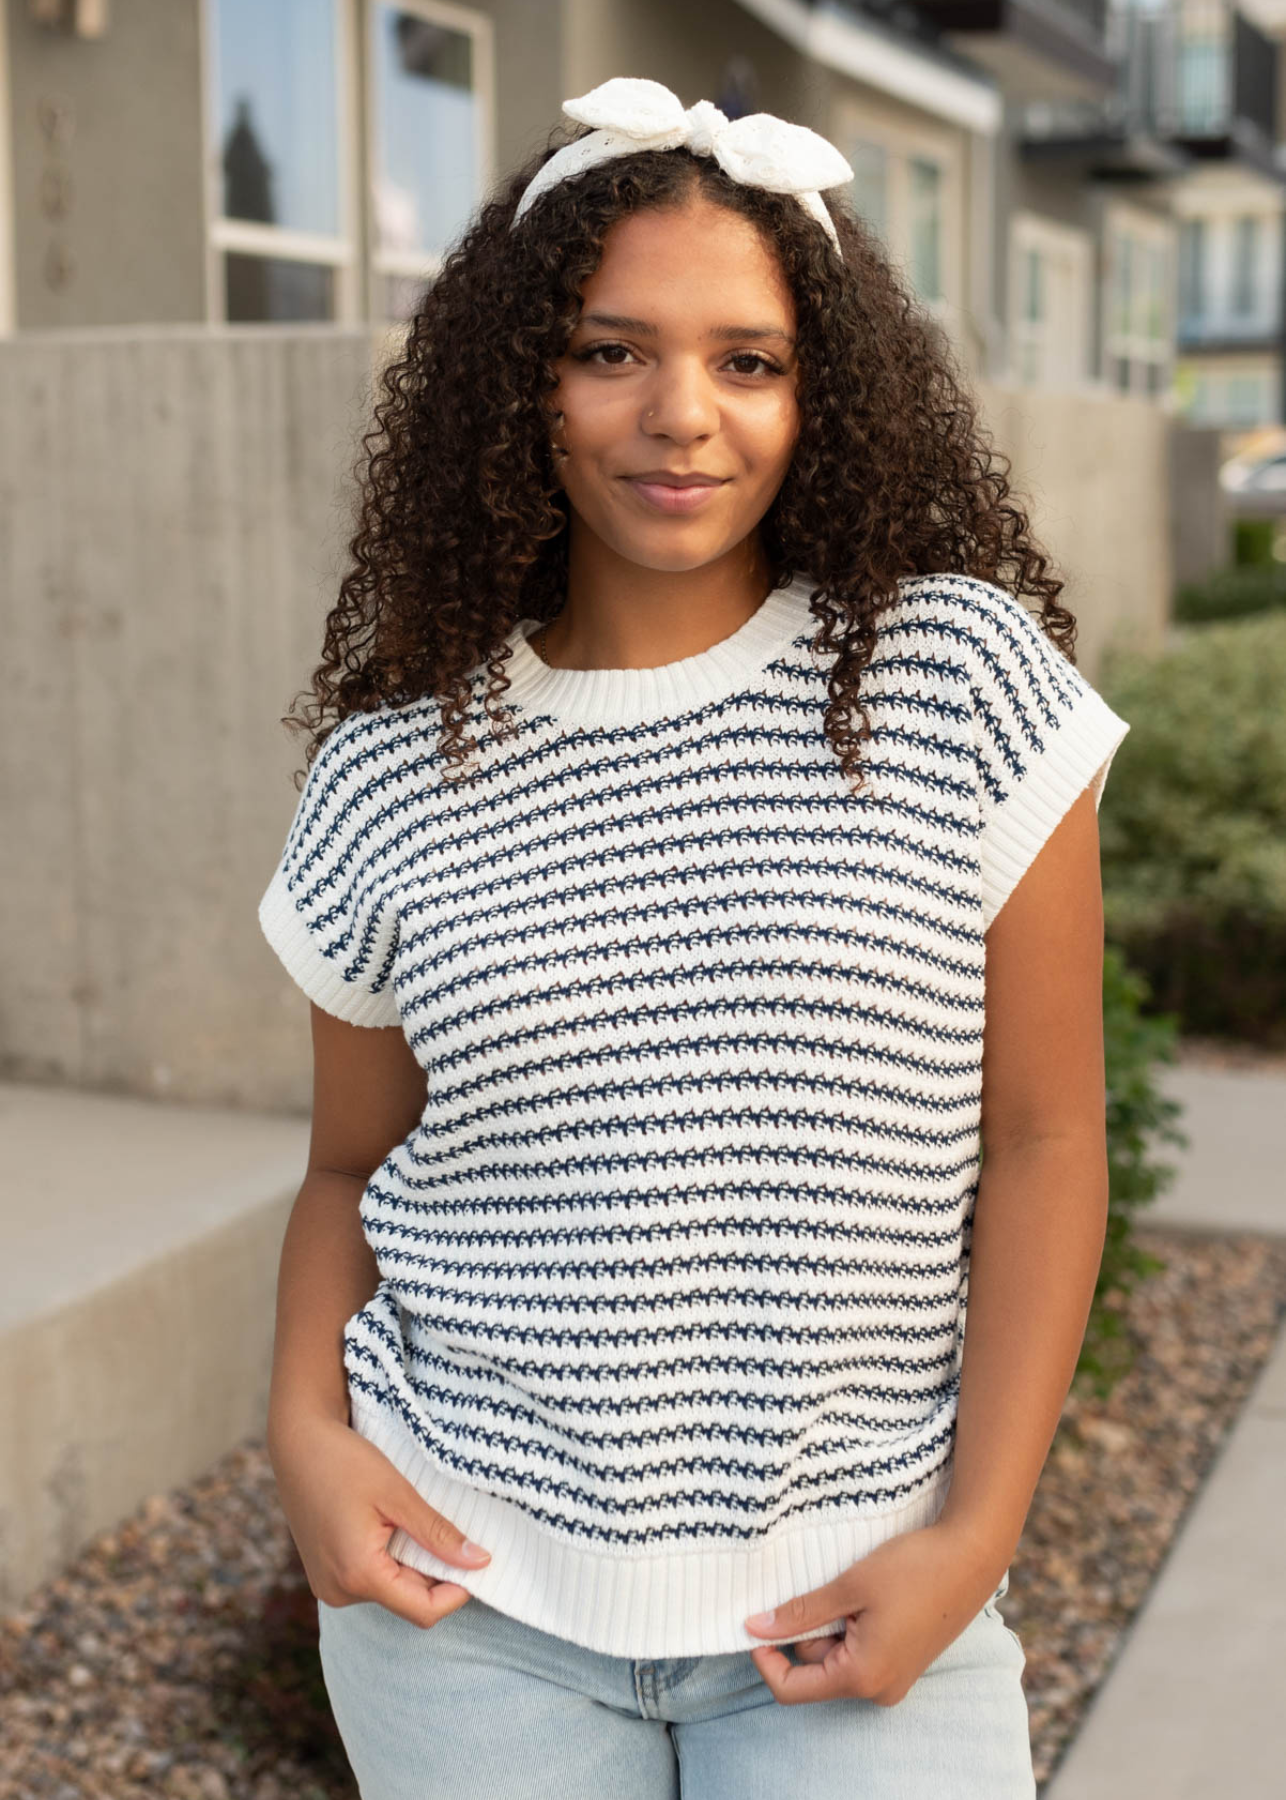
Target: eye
[[766, 364], [584, 356]]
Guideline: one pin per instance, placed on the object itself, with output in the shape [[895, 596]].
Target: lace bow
[[630, 114]]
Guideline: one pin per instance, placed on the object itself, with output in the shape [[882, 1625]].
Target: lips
[[673, 478], [665, 491]]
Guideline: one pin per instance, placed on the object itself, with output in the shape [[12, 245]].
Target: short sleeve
[[1042, 734], [327, 912]]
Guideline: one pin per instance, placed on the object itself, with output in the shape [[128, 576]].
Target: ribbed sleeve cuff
[[287, 931], [1076, 756]]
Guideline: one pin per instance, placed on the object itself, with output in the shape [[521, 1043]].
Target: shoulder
[[358, 768], [962, 610], [985, 637]]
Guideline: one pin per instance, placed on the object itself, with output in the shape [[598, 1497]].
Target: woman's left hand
[[905, 1602]]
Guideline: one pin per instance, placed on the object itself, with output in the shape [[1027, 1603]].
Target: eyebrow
[[725, 333]]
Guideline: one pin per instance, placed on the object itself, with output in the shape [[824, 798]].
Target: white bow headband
[[632, 114]]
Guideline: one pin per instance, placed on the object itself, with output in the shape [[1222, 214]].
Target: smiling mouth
[[671, 494]]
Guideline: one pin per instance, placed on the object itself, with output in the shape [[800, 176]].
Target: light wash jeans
[[483, 1707]]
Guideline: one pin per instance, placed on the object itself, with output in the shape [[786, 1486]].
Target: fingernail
[[469, 1548], [762, 1621]]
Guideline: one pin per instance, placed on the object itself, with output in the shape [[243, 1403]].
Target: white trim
[[902, 141], [1077, 756], [1062, 336], [843, 43], [1158, 233], [256, 239], [481, 30], [8, 224]]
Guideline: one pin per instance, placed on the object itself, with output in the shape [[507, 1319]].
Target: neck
[[621, 615]]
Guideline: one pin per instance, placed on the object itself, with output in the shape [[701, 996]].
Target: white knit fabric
[[674, 1269], [631, 114]]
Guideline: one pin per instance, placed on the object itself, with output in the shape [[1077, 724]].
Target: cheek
[[773, 434], [593, 415]]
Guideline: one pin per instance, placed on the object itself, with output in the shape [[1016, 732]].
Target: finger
[[405, 1506], [815, 1650], [795, 1683], [420, 1599]]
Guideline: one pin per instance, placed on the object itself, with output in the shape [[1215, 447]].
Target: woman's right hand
[[342, 1498]]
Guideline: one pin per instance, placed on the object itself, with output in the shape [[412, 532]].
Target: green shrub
[[1232, 593], [1138, 1116], [1193, 826], [1252, 540]]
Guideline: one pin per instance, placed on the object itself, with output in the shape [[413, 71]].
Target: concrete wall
[[173, 511], [1093, 474], [1199, 511], [169, 518], [109, 225]]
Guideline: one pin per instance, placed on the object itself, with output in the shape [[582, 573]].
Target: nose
[[681, 402]]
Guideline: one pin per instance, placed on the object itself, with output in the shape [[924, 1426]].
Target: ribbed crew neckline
[[632, 696]]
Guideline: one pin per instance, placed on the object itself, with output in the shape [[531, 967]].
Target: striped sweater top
[[673, 1268]]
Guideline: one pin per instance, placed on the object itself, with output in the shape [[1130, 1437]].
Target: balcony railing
[[1190, 70]]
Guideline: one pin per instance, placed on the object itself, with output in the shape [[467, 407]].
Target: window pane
[[1192, 268], [1034, 289], [870, 184], [1244, 258], [427, 175], [1123, 285], [276, 112], [926, 227], [261, 289], [1154, 323]]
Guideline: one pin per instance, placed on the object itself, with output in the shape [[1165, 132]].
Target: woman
[[659, 1024]]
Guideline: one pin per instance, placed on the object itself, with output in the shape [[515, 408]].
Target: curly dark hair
[[463, 524]]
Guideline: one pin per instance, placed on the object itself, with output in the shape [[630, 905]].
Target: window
[[925, 202], [1049, 290], [278, 194], [1193, 252], [906, 188], [430, 107], [870, 185], [1245, 261], [1138, 333]]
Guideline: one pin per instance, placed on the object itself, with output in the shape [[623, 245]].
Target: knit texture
[[674, 1268]]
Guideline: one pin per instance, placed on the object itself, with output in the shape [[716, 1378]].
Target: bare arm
[[368, 1093], [1041, 1209], [341, 1495]]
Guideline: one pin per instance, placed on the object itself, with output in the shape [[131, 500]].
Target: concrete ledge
[[136, 1305]]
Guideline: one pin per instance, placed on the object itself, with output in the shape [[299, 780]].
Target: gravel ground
[[176, 1659]]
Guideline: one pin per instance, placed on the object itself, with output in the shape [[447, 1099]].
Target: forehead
[[690, 261]]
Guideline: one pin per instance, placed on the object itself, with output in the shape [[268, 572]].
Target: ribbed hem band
[[690, 1602]]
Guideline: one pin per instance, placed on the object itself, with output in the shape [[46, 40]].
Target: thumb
[[820, 1606], [404, 1505]]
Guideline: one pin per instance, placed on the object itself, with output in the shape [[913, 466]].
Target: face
[[682, 364]]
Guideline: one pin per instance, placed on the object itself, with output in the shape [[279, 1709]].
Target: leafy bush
[[1252, 540], [1138, 1116], [1232, 593], [1193, 826]]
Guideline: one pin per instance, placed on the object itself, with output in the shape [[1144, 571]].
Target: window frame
[[902, 142], [252, 238], [1032, 233], [1155, 236], [379, 264]]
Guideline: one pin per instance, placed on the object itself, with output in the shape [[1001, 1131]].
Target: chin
[[672, 558]]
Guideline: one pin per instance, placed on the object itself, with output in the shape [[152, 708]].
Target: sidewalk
[[1192, 1707]]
